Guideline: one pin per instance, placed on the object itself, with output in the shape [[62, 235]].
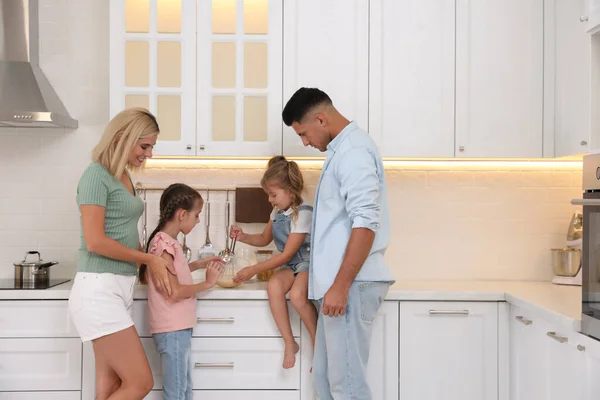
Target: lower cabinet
[[233, 364], [548, 362], [40, 364], [448, 350]]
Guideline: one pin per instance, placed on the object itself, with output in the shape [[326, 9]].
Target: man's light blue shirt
[[351, 194]]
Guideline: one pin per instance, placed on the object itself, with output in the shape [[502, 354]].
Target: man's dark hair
[[304, 100]]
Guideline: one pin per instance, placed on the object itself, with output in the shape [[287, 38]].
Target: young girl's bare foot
[[289, 355]]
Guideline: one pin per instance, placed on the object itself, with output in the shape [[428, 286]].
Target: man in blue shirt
[[348, 275]]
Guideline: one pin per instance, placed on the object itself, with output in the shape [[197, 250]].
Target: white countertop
[[557, 304]]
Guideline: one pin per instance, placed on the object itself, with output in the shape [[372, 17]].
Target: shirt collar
[[335, 143], [287, 212]]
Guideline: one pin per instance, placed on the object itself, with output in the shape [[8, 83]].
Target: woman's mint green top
[[123, 210]]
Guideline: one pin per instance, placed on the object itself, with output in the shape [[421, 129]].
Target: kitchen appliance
[[26, 96], [566, 262], [10, 284], [32, 273], [590, 317]]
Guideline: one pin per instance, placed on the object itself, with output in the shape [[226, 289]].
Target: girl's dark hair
[[286, 175], [177, 196]]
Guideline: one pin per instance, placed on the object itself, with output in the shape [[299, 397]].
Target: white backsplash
[[449, 221]]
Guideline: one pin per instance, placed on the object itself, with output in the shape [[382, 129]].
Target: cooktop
[[6, 284]]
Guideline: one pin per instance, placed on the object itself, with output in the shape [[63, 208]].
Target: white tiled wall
[[448, 222]]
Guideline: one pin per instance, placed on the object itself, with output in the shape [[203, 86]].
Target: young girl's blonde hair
[[286, 175], [120, 137]]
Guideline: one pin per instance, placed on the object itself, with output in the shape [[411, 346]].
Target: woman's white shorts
[[101, 304]]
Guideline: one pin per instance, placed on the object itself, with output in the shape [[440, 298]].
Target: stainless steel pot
[[33, 272]]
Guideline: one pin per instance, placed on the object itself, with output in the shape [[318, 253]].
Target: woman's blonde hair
[[121, 136], [286, 175]]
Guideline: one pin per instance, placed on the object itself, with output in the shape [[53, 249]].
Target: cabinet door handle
[[226, 320], [214, 365], [448, 312], [586, 202], [584, 18], [580, 347], [559, 339], [523, 320]]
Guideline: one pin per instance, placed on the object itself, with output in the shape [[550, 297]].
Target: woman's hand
[[244, 274], [213, 271], [237, 232], [160, 268]]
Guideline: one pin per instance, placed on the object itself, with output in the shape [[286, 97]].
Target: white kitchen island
[[452, 340]]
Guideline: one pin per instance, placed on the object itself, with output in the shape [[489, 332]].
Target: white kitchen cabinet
[[411, 92], [152, 62], [591, 347], [326, 45], [528, 356], [499, 78], [591, 17], [566, 365], [36, 364], [572, 79], [210, 71], [239, 76], [26, 318], [233, 364], [225, 318], [234, 395], [382, 370], [448, 350]]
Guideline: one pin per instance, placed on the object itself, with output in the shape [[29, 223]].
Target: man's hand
[[335, 301]]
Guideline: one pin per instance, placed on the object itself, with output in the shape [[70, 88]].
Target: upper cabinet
[[425, 78], [499, 78], [239, 77], [572, 68], [211, 74], [592, 16], [412, 77], [152, 65], [326, 45]]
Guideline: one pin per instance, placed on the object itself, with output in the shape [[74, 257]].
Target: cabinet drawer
[[244, 318], [40, 364], [27, 318], [41, 396], [233, 395], [233, 364]]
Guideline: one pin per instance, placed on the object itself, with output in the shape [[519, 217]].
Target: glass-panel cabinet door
[[152, 65], [239, 78]]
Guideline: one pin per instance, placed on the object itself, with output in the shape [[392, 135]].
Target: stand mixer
[[566, 262]]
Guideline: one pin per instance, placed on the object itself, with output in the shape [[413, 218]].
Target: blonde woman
[[102, 296]]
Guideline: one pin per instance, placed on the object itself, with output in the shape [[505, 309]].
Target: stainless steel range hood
[[26, 97]]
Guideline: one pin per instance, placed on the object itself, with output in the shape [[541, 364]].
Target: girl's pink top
[[165, 314]]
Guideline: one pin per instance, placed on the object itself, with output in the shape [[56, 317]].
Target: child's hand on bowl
[[244, 274]]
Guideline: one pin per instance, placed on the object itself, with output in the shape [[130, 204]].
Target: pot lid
[[26, 263]]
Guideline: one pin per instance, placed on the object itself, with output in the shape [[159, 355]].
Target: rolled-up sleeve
[[359, 187]]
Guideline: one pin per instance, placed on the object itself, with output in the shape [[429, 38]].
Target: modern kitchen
[[481, 111]]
